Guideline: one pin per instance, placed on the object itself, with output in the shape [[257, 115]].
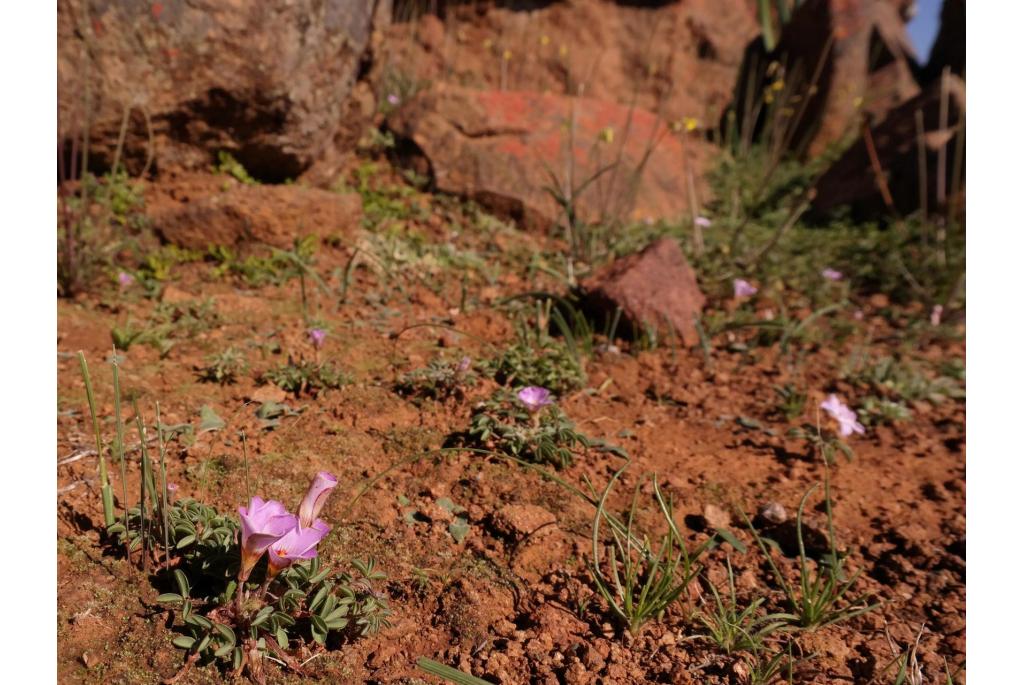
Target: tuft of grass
[[823, 596], [538, 358], [642, 580], [733, 628]]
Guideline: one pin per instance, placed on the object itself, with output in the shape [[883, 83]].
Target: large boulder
[[508, 150], [852, 179], [676, 58], [265, 81], [836, 61], [655, 288]]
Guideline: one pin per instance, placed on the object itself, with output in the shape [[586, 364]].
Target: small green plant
[[157, 266], [545, 436], [791, 401], [308, 377], [448, 673], [823, 596], [902, 380], [644, 580], [877, 410], [733, 628], [441, 379], [229, 166], [908, 670], [169, 323], [224, 367], [767, 667], [823, 442], [538, 358]]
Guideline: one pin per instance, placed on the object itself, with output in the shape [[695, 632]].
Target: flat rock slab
[[655, 287], [273, 215], [508, 150]]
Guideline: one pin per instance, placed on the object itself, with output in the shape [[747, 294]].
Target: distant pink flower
[[263, 523], [846, 417], [299, 543], [319, 489], [172, 490], [393, 100], [702, 222], [858, 314], [936, 317], [317, 336], [535, 398], [742, 288], [464, 365], [832, 275], [125, 279]]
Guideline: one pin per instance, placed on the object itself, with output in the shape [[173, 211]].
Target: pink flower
[[742, 288], [317, 336], [125, 279], [393, 100], [702, 222], [316, 497], [832, 275], [263, 523], [298, 543], [936, 317], [535, 398], [464, 365], [846, 417], [858, 314]]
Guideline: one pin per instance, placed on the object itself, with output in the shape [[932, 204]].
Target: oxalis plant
[[253, 588], [245, 588], [527, 425]]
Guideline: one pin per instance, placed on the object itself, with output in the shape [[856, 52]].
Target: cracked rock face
[[509, 150]]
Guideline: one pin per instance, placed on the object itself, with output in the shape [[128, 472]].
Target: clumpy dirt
[[513, 601]]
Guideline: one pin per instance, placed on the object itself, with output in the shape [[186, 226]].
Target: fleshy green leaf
[[208, 419], [183, 642]]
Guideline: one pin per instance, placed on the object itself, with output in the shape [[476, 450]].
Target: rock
[[866, 68], [268, 393], [265, 81], [275, 215], [772, 513], [506, 149], [679, 58], [851, 181], [654, 287], [715, 517], [519, 521]]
